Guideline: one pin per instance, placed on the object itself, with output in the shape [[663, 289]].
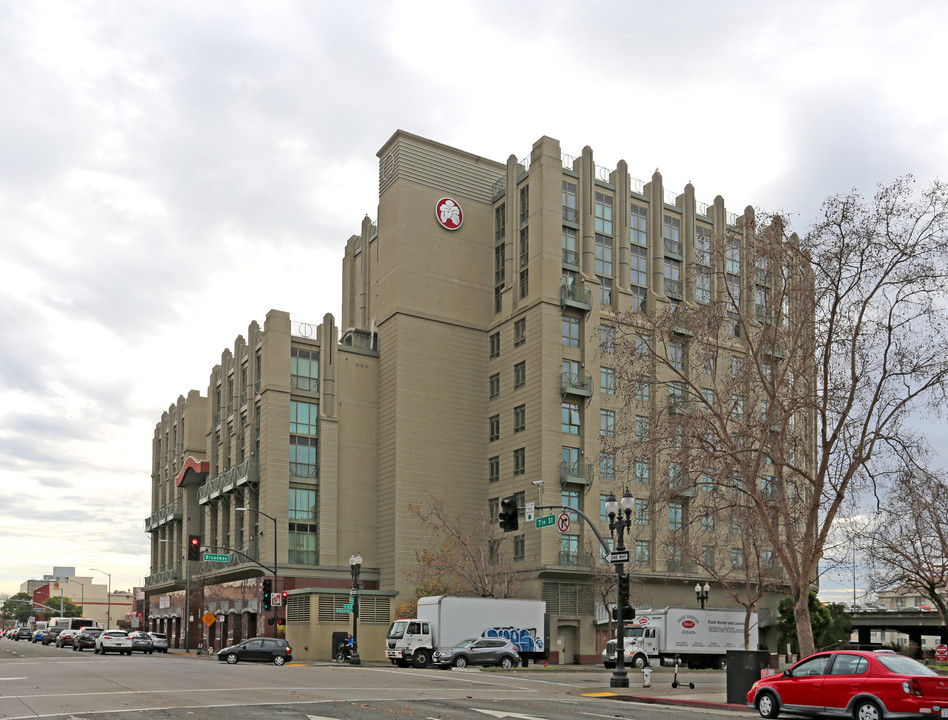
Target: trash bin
[[743, 670]]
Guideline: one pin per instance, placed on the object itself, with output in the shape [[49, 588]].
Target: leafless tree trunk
[[471, 556]]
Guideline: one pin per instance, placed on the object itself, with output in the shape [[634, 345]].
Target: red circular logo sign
[[642, 621], [688, 623], [449, 213], [942, 649]]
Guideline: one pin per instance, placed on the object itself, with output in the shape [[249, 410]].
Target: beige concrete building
[[465, 368]]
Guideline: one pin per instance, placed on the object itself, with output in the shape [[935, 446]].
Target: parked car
[[258, 649], [142, 642], [23, 633], [849, 683], [478, 651], [64, 637], [113, 641], [160, 641], [85, 638], [51, 635]]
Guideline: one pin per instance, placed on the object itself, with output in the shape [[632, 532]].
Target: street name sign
[[546, 520], [344, 609], [216, 557], [618, 557]]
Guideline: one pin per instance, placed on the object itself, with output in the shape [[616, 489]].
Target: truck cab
[[409, 642]]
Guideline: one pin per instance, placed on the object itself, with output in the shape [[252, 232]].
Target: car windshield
[[904, 665]]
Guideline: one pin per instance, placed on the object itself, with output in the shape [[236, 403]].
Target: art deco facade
[[469, 368]]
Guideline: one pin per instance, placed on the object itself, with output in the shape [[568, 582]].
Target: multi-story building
[[469, 369]]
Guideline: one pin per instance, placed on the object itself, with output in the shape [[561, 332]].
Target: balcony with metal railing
[[163, 515], [571, 259], [570, 214], [227, 482], [580, 473], [577, 384], [575, 296]]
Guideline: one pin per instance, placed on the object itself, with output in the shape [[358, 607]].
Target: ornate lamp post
[[702, 594], [108, 607], [620, 520], [355, 567], [275, 566]]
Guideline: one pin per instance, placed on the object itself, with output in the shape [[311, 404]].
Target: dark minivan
[[258, 649]]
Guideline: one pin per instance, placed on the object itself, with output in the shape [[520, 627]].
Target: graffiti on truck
[[526, 639]]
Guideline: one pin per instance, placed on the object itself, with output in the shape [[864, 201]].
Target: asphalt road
[[50, 682]]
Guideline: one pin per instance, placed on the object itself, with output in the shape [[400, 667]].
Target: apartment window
[[642, 389], [604, 267], [302, 542], [642, 514], [642, 428], [707, 556], [570, 499], [737, 367], [737, 407], [676, 514], [768, 561], [520, 375], [607, 381], [707, 395], [703, 285], [494, 385], [304, 418], [603, 515], [638, 276], [768, 490], [603, 211], [493, 508], [500, 253], [571, 371], [500, 223], [732, 257], [737, 558], [520, 418], [520, 332], [707, 519], [673, 277], [671, 230], [571, 331], [643, 555], [493, 428], [676, 392], [569, 414], [570, 212], [524, 204], [494, 342], [519, 461], [569, 549], [675, 561], [607, 423], [519, 545], [641, 470], [676, 355], [493, 469], [707, 481], [570, 247], [607, 338], [304, 457], [524, 277], [304, 369], [638, 217], [607, 466]]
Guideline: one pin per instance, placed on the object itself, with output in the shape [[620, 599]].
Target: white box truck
[[444, 621], [700, 638]]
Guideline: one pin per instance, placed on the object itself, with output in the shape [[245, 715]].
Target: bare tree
[[471, 556], [790, 385], [906, 542]]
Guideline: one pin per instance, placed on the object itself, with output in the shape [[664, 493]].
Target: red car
[[853, 684]]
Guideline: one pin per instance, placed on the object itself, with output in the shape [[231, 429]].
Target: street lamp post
[[620, 520], [355, 567], [276, 589], [702, 594], [108, 607]]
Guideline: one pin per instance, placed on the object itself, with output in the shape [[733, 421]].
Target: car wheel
[[460, 661], [420, 659], [767, 705], [506, 663], [867, 710], [232, 658], [278, 660], [639, 662]]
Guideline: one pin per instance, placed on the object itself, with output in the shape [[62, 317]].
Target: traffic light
[[194, 547], [624, 593], [284, 598], [509, 518], [267, 589]]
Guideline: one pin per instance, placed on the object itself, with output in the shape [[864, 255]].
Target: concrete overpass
[[912, 623]]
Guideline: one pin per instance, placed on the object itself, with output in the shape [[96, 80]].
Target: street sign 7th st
[[546, 520]]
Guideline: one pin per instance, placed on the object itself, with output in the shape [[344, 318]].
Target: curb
[[654, 700]]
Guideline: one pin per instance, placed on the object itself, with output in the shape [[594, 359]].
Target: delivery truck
[[698, 638], [444, 621]]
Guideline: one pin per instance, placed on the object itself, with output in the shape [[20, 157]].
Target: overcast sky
[[157, 159]]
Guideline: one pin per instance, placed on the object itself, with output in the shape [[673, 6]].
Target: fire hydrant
[[646, 677]]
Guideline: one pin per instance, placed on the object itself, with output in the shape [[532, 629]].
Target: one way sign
[[618, 557]]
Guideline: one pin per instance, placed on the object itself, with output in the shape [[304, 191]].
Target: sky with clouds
[[158, 159]]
